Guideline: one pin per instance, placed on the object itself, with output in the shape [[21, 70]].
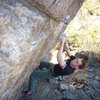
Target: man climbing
[[64, 67]]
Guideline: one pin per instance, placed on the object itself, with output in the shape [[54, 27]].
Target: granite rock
[[29, 29]]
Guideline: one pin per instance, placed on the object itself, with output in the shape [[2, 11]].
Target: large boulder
[[29, 29], [59, 10]]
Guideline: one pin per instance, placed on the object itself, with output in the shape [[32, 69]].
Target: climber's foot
[[27, 93]]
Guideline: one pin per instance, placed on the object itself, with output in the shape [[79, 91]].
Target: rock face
[[28, 30], [59, 10]]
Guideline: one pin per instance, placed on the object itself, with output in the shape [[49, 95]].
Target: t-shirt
[[66, 70]]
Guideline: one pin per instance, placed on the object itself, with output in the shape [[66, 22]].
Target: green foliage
[[85, 27]]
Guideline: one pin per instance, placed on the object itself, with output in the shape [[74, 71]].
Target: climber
[[64, 67]]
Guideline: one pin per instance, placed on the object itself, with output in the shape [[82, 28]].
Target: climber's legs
[[39, 74]]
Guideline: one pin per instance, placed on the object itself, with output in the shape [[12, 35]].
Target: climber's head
[[78, 63]]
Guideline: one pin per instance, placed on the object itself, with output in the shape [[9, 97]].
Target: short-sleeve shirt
[[66, 70]]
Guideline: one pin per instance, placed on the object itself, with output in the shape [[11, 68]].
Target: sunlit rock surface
[[27, 32], [59, 10]]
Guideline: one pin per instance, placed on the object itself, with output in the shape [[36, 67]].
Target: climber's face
[[76, 62]]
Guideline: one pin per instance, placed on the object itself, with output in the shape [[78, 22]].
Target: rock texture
[[59, 10], [28, 30]]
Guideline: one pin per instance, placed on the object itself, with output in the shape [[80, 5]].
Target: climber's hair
[[83, 65]]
